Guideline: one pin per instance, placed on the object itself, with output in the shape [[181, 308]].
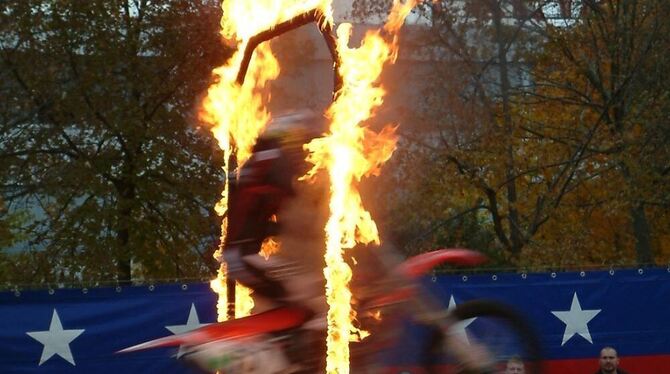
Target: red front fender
[[421, 264]]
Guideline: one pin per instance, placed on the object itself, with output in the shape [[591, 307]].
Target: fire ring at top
[[315, 15]]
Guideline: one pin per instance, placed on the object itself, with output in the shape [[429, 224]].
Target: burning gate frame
[[312, 16]]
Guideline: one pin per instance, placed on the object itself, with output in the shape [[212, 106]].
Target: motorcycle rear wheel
[[485, 328]]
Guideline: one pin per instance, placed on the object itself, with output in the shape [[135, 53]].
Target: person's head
[[515, 366], [290, 131], [609, 360], [294, 127]]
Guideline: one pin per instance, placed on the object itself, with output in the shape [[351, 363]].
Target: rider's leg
[[277, 281], [268, 293], [300, 287]]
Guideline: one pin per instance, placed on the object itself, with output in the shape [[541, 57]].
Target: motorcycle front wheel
[[484, 337]]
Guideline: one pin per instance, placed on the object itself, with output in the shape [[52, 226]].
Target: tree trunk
[[640, 223], [123, 258], [513, 214], [642, 234], [124, 253]]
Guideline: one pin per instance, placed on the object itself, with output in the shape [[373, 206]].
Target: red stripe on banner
[[632, 364]]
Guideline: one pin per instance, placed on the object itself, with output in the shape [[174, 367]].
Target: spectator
[[609, 362], [515, 366]]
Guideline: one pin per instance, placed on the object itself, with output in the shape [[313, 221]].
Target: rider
[[264, 186]]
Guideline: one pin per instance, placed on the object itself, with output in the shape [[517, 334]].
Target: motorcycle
[[275, 342]]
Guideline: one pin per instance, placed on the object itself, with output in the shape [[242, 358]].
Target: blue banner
[[576, 314], [579, 313], [78, 330]]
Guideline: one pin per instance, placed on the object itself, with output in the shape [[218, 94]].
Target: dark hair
[[616, 354], [515, 359]]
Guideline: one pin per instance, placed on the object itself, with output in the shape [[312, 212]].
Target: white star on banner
[[56, 340], [576, 320], [459, 328], [192, 323]]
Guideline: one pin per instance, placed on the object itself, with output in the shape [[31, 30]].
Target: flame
[[348, 152], [377, 315], [239, 120], [242, 19], [269, 247], [243, 301], [237, 112]]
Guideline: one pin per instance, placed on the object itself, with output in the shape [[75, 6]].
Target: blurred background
[[534, 131]]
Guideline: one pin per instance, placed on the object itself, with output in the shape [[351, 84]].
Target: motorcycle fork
[[472, 357]]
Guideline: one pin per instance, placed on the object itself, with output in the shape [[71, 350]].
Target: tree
[[471, 140], [611, 66], [516, 132], [101, 140]]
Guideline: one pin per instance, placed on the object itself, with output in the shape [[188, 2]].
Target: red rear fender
[[257, 324]]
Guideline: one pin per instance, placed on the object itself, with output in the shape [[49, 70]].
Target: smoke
[[302, 220]]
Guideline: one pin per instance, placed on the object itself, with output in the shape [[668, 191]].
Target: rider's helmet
[[294, 128], [290, 131]]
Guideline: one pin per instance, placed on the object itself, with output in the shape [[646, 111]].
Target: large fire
[[348, 152], [238, 112]]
